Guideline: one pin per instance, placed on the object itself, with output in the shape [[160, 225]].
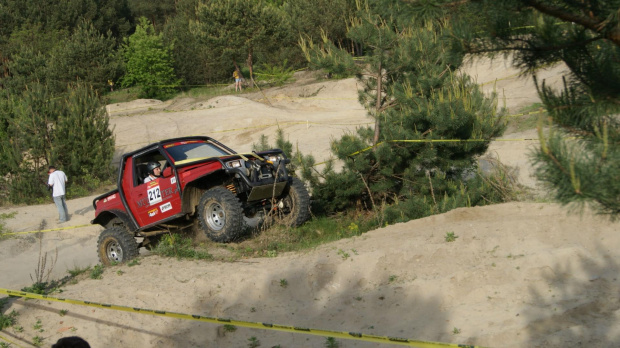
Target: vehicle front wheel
[[116, 245], [294, 207], [220, 215]]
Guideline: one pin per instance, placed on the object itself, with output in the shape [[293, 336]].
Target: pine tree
[[430, 122], [192, 62], [71, 132], [311, 18], [579, 159], [149, 62], [238, 29], [86, 56]]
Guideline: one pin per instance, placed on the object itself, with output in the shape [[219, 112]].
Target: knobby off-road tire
[[116, 245], [294, 207], [220, 215], [117, 222]]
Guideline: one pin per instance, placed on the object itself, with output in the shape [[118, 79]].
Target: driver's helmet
[[151, 166]]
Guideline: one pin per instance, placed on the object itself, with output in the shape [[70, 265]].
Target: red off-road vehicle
[[200, 179]]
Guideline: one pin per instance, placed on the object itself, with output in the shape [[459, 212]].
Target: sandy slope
[[518, 275]]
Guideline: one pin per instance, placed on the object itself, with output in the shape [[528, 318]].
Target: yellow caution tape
[[440, 141], [292, 123], [248, 324], [539, 111], [48, 230], [9, 341]]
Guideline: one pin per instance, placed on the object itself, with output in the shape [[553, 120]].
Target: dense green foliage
[[35, 34], [85, 56], [157, 12], [49, 50], [239, 30], [149, 63], [417, 100], [194, 63], [71, 132], [312, 18], [579, 160]]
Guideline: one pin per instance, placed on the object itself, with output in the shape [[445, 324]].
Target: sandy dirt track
[[518, 275]]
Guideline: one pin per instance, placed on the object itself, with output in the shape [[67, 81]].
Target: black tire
[[115, 245], [294, 207], [220, 215], [116, 222]]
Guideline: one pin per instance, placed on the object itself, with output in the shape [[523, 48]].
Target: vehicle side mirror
[[167, 172]]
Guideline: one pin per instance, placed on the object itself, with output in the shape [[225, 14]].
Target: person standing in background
[[237, 76], [57, 181]]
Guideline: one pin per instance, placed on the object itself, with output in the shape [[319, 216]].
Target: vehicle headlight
[[273, 158], [233, 164]]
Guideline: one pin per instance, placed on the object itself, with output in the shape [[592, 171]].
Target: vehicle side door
[[154, 201]]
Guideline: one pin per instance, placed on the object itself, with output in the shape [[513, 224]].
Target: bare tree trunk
[[375, 140], [251, 68]]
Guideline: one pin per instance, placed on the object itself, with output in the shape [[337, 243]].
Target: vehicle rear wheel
[[294, 207], [115, 245], [220, 215], [117, 222]]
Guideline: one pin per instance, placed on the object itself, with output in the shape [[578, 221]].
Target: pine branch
[[374, 207], [591, 22], [522, 48]]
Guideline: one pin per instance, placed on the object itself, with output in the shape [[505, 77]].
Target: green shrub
[[6, 320], [179, 246], [273, 75], [40, 288], [97, 272]]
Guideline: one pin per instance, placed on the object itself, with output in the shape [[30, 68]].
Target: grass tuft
[[450, 237], [97, 272], [179, 246]]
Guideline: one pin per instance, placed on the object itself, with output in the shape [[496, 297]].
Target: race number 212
[[154, 195]]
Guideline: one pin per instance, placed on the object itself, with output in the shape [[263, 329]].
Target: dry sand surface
[[518, 275]]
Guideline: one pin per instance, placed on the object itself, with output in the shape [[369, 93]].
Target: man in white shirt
[[57, 181]]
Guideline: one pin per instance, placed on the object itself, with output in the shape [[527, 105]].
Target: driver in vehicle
[[154, 169]]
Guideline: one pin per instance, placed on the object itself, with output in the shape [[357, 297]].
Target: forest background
[[57, 61]]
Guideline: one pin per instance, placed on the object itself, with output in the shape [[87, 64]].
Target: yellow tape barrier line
[[9, 341], [289, 123], [528, 113], [305, 98], [248, 324], [48, 230], [440, 141]]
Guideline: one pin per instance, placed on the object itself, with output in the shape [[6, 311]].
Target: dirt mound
[[517, 275], [515, 91]]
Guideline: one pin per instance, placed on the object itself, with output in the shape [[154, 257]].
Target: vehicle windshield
[[188, 151]]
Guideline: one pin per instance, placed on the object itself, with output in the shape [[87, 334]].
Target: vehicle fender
[[106, 216], [193, 191]]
